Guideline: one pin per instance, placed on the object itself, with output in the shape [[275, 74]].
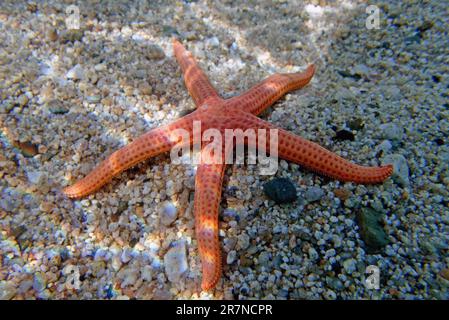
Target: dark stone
[[56, 107], [122, 206], [28, 149], [18, 231], [425, 26], [346, 74], [231, 191], [109, 292], [416, 38], [183, 113], [371, 230], [169, 31], [246, 261], [356, 124], [436, 78], [439, 141], [280, 190], [277, 261], [386, 45], [72, 35], [65, 254], [344, 135]]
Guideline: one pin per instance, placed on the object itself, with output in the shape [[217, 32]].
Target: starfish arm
[[148, 145], [316, 158], [264, 94], [325, 162], [196, 81], [208, 183]]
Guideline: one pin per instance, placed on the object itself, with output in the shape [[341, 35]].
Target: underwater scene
[[224, 150]]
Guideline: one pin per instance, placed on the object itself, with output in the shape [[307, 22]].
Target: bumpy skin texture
[[208, 182], [235, 113]]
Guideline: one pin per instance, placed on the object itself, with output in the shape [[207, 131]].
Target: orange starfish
[[234, 113]]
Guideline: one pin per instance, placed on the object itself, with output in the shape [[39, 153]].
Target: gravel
[[69, 98]]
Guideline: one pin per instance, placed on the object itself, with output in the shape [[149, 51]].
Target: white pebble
[[175, 261], [76, 73], [168, 213]]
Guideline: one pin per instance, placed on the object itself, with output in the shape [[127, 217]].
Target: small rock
[[22, 100], [361, 70], [56, 107], [168, 213], [18, 231], [146, 273], [346, 74], [334, 283], [36, 177], [415, 38], [229, 214], [313, 254], [439, 141], [44, 294], [98, 268], [169, 31], [122, 206], [116, 263], [7, 290], [162, 294], [384, 147], [391, 131], [127, 255], [445, 273], [32, 7], [425, 26], [7, 106], [154, 52], [100, 67], [145, 89], [129, 276], [140, 212], [246, 262], [213, 42], [313, 194], [400, 168], [52, 34], [39, 282], [281, 190], [342, 193], [28, 149], [344, 135], [243, 241], [356, 124], [92, 77], [330, 295], [108, 101], [350, 266], [264, 259], [231, 257], [72, 35], [175, 261], [371, 229], [24, 287], [76, 73], [93, 99]]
